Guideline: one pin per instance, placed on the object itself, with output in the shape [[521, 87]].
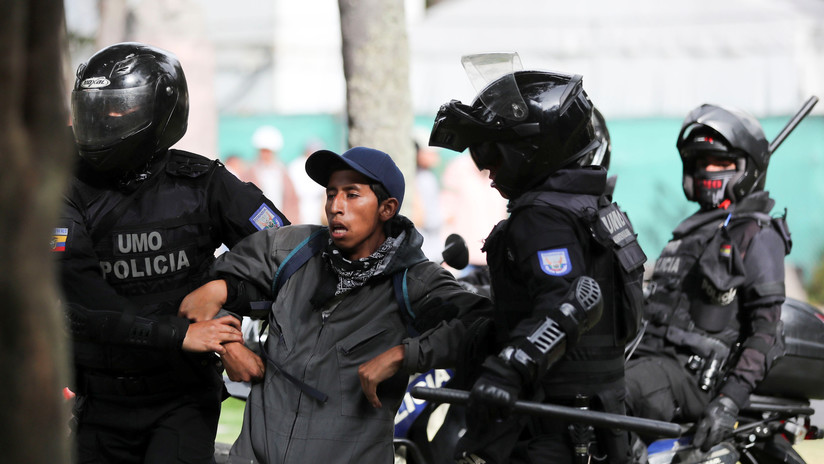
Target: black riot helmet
[[130, 101], [526, 124], [728, 134]]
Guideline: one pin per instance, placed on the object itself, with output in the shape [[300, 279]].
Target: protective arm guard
[[125, 328], [579, 311]]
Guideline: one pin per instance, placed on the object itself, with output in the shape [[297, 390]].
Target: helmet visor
[[102, 118], [458, 126]]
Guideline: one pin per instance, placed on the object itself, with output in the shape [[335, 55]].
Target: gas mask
[[711, 186]]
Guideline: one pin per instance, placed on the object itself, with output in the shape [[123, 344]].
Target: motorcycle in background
[[777, 417]]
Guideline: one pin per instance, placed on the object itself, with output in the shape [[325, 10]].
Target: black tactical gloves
[[495, 392], [717, 422]]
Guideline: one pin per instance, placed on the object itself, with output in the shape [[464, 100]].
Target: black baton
[[640, 425], [797, 117]]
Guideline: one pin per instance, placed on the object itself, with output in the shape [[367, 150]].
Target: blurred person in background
[[426, 206], [309, 195], [270, 174], [469, 207], [237, 166]]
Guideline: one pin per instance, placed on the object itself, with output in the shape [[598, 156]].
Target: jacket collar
[[409, 250], [588, 180]]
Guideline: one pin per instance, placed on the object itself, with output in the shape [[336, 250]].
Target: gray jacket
[[282, 424]]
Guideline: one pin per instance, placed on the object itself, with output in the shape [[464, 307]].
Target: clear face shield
[[103, 117], [505, 98]]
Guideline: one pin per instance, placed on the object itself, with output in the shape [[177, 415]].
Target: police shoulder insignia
[[555, 262], [265, 218], [58, 241]]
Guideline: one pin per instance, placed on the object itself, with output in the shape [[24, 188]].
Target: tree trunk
[[35, 151], [113, 24], [376, 68]]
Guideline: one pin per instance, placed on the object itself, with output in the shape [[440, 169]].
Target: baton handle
[[639, 425]]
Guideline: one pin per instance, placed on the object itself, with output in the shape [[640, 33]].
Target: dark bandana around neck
[[353, 274]]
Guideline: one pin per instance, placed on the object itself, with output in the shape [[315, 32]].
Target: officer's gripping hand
[[716, 423], [204, 302], [495, 392], [210, 335]]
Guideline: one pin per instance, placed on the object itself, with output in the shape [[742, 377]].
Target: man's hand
[[378, 369], [242, 364], [210, 335], [204, 302], [496, 390], [717, 422]]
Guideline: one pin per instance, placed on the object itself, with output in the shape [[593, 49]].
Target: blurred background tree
[[35, 151]]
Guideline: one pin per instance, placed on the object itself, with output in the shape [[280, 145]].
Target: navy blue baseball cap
[[374, 164]]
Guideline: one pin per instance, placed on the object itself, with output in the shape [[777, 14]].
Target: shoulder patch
[[58, 241], [555, 262], [265, 218]]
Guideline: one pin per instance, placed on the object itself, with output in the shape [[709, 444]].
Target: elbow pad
[[579, 311]]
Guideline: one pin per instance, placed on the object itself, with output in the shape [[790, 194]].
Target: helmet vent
[[125, 66]]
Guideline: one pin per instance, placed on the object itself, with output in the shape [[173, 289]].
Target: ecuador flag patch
[[58, 241]]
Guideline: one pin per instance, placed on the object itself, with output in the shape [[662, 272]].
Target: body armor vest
[[154, 247], [614, 260], [695, 281]]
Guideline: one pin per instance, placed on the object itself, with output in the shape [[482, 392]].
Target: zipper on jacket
[[303, 378]]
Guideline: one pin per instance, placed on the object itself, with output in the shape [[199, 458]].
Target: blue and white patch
[[555, 262], [265, 218]]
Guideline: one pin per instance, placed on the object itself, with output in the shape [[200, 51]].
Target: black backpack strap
[[404, 305], [299, 256], [303, 386]]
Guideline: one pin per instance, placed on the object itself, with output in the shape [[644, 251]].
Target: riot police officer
[[533, 130], [715, 296], [139, 230]]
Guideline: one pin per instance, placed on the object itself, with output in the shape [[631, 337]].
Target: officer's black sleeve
[[94, 310], [548, 256], [239, 208], [443, 311], [761, 298]]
